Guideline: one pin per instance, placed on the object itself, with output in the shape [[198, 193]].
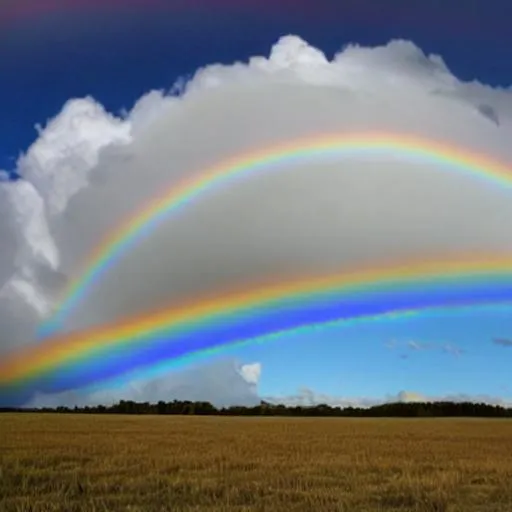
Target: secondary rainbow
[[78, 359], [174, 198]]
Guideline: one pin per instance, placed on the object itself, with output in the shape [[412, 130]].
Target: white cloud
[[88, 170], [410, 396], [308, 397], [59, 162], [251, 373]]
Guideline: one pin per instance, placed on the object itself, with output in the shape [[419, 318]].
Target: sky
[[131, 98]]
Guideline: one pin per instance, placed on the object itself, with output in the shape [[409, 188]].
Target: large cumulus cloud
[[89, 170], [222, 383]]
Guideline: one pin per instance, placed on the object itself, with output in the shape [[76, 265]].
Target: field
[[169, 463]]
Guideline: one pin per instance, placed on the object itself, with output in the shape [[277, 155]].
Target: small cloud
[[453, 349], [251, 373], [504, 342], [488, 112], [418, 345], [410, 396]]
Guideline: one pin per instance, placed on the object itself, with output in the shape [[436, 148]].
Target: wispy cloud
[[503, 342], [453, 349], [418, 346]]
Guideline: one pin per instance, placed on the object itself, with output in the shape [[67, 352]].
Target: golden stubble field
[[168, 463]]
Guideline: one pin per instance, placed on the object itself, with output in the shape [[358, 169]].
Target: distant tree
[[399, 409]]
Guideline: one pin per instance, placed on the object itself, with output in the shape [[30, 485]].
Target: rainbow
[[175, 198], [182, 331]]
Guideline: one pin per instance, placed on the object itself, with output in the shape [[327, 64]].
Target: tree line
[[186, 407]]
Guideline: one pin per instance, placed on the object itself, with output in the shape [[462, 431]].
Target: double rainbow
[[179, 331], [74, 360]]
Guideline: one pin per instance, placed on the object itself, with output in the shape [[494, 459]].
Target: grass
[[75, 463]]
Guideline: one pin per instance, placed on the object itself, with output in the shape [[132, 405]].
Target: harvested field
[[76, 463]]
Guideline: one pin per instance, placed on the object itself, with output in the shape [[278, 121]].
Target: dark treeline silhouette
[[399, 409]]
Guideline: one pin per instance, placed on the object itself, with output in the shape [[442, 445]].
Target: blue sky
[[48, 58], [116, 55], [362, 360]]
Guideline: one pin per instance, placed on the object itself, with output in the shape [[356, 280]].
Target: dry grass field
[[167, 463]]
